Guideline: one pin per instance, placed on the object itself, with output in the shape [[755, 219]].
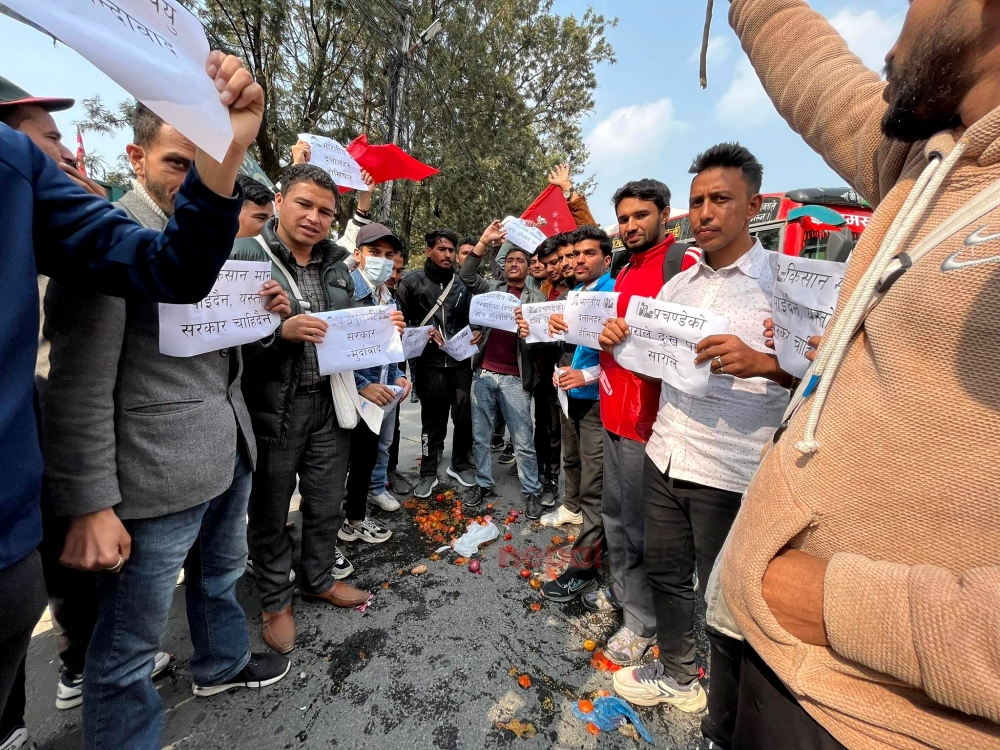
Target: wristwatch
[[568, 193]]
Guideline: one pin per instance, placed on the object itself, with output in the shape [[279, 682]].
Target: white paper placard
[[525, 237], [398, 390], [357, 338], [537, 315], [232, 315], [460, 347], [154, 49], [494, 310], [562, 396], [586, 313], [804, 298], [662, 341], [329, 155], [415, 341]]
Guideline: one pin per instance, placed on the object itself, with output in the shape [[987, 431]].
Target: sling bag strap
[[440, 301]]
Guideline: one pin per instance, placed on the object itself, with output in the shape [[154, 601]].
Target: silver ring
[[117, 566], [722, 367]]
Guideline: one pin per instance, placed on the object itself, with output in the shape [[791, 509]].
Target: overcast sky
[[651, 116]]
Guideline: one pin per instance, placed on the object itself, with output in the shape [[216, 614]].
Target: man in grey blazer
[[155, 451]]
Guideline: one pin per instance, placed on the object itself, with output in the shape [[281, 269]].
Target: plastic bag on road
[[468, 543], [610, 713]]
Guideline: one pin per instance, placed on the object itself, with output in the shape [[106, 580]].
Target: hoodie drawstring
[[838, 339]]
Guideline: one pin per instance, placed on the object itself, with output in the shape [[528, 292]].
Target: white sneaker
[[560, 517], [383, 500], [647, 685], [161, 662], [366, 531], [17, 739], [69, 691]]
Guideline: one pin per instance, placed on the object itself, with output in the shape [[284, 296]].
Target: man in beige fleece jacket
[[864, 567]]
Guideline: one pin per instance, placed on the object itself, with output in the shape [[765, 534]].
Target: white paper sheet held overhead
[[232, 315], [357, 338], [537, 315], [460, 347], [805, 296], [154, 49], [528, 238], [586, 313], [494, 310], [662, 341], [415, 341], [329, 155]]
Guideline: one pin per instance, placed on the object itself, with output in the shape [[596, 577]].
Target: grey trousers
[[571, 463], [625, 531], [317, 449]]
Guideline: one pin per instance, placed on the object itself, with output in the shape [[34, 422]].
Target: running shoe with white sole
[[602, 600], [465, 478], [649, 685], [425, 486], [341, 567], [567, 587], [16, 739], [262, 670], [364, 531], [69, 689], [626, 648], [383, 500], [560, 517]]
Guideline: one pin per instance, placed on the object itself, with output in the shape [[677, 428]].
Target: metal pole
[[396, 105]]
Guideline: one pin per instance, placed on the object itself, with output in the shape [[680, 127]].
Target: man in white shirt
[[704, 450]]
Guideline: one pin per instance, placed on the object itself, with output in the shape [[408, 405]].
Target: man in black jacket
[[436, 296]]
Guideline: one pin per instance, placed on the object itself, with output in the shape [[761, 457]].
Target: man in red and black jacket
[[628, 411]]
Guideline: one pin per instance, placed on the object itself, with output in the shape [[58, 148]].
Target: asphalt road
[[432, 663]]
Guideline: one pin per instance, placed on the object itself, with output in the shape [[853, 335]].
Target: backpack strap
[[674, 259]]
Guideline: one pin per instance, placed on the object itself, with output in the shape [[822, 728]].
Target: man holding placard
[[299, 429], [503, 374], [705, 445]]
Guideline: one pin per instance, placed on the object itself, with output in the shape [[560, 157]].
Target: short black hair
[[308, 173], [405, 253], [441, 234], [735, 156], [547, 247], [12, 117], [590, 232], [146, 126], [254, 191], [466, 240], [645, 189], [518, 249]]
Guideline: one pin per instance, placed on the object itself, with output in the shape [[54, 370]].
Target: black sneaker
[[262, 670], [548, 497], [507, 457], [475, 498], [568, 587], [497, 443], [533, 507]]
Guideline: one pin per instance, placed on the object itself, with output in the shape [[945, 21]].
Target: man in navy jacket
[[50, 225]]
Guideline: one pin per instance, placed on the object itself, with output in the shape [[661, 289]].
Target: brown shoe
[[341, 595], [279, 630]]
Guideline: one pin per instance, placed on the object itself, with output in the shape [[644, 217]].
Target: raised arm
[[822, 90], [470, 268]]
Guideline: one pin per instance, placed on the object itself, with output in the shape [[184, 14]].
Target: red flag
[[80, 153], [388, 162], [550, 212]]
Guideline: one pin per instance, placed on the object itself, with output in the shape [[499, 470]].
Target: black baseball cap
[[371, 232], [12, 95]]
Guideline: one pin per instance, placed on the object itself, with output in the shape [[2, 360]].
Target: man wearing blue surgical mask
[[376, 249]]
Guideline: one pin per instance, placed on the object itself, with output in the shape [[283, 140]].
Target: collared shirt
[[311, 285], [716, 440]]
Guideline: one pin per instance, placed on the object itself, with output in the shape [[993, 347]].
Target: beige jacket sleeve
[[923, 625], [822, 90]]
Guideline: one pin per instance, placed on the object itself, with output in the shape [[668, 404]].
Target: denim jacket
[[365, 296]]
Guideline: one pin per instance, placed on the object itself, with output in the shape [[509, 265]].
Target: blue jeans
[[490, 390], [380, 473], [121, 708]]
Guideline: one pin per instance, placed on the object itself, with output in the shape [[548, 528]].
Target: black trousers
[[588, 549], [441, 389], [364, 455], [686, 526], [22, 583], [548, 431]]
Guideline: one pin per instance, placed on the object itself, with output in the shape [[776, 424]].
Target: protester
[[258, 206], [178, 265], [592, 256], [376, 247], [537, 269], [436, 296], [704, 450], [385, 475], [862, 567], [464, 248], [503, 378], [550, 260], [298, 434], [628, 410]]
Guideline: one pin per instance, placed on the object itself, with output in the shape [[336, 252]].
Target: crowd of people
[[846, 604]]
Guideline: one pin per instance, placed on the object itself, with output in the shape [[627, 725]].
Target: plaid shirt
[[311, 286]]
